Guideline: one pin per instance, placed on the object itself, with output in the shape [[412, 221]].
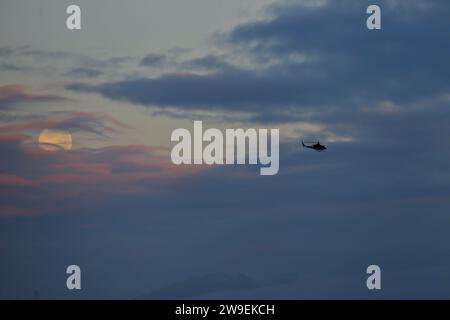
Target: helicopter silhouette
[[316, 147]]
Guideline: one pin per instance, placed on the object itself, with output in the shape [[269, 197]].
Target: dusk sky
[[111, 201]]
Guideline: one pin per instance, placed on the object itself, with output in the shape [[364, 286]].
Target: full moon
[[52, 139]]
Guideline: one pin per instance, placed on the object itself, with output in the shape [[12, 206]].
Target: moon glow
[[52, 140]]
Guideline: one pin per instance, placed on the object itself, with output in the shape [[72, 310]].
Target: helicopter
[[317, 146]]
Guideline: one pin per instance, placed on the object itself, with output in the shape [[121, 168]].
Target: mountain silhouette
[[200, 285]]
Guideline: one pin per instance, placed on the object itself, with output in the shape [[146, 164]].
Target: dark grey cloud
[[398, 63], [153, 59], [239, 90], [82, 72], [309, 232], [36, 53], [5, 52], [345, 65], [10, 67], [210, 62], [64, 63]]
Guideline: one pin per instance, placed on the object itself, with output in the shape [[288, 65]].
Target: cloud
[[81, 72], [86, 60], [241, 91], [86, 176], [11, 95], [11, 67], [338, 64], [153, 59], [11, 180], [6, 52], [44, 180], [311, 230], [209, 62], [34, 61], [74, 121]]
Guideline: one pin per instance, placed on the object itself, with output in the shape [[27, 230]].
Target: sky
[[141, 227]]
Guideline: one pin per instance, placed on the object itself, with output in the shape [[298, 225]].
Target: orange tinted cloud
[[85, 176], [12, 94], [12, 180], [46, 180], [17, 137], [77, 121]]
